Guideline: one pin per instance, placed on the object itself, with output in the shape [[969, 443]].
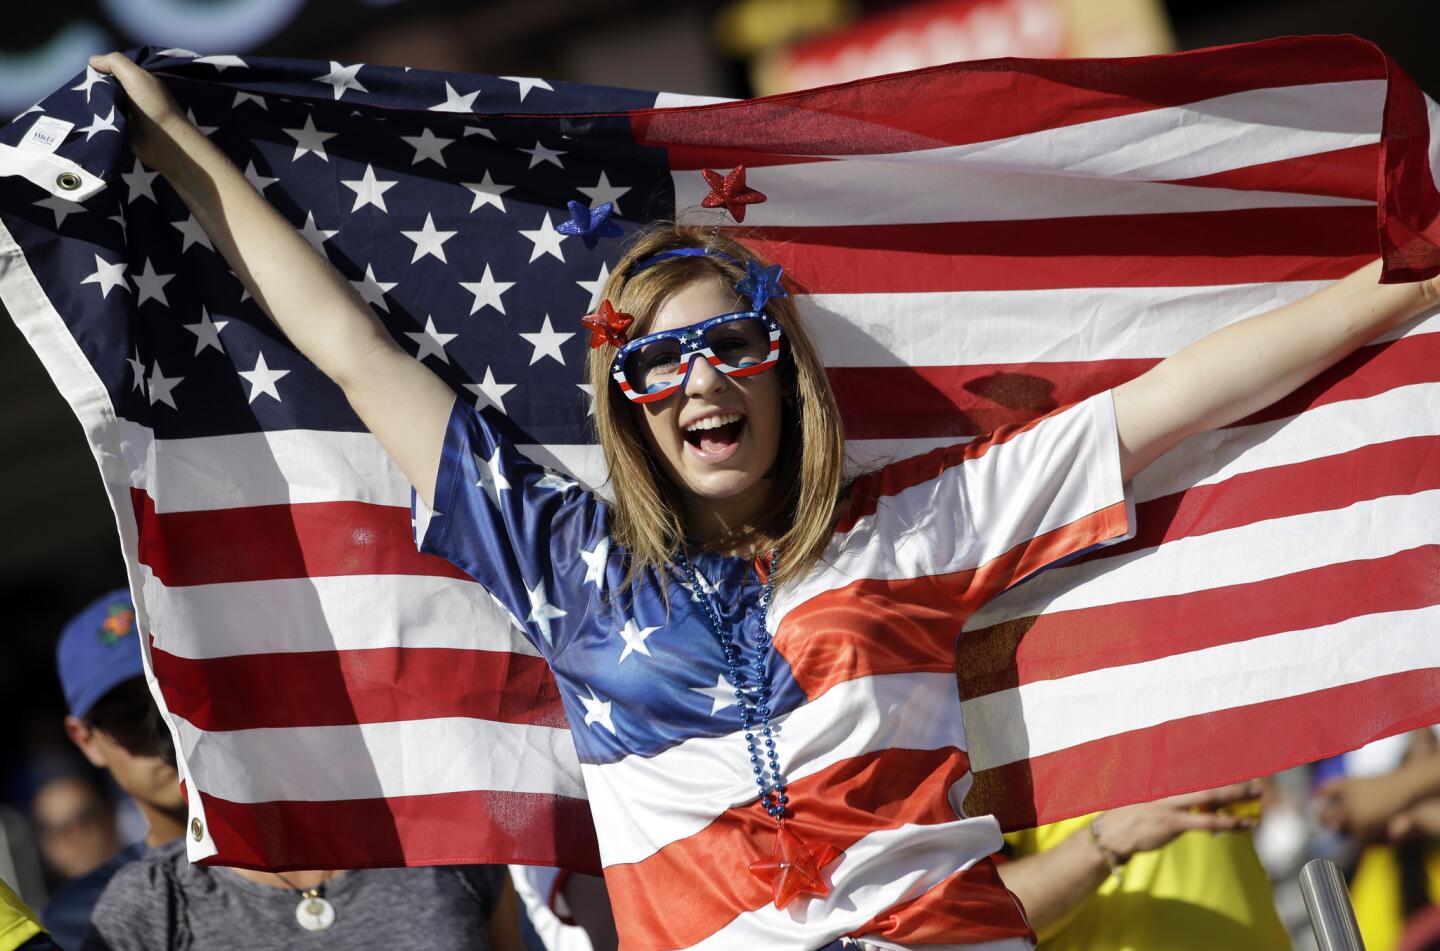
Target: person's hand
[[1420, 821], [153, 115], [1360, 806], [1150, 825]]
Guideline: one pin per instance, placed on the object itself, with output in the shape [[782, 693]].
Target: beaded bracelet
[[1117, 866]]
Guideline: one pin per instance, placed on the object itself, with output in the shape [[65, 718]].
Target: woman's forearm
[[1246, 366], [308, 299]]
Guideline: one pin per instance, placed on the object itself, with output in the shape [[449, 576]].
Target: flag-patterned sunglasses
[[656, 366]]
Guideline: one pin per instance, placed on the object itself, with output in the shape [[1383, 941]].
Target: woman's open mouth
[[715, 438]]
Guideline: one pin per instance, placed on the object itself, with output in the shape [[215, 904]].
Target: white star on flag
[[542, 612], [314, 235], [207, 331], [139, 182], [260, 182], [603, 191], [555, 482], [595, 561], [492, 480], [429, 240], [309, 139], [262, 379], [487, 192], [427, 146], [161, 386], [455, 102], [541, 154], [489, 391], [137, 369], [369, 190], [526, 84], [177, 51], [62, 207], [634, 636], [546, 240], [470, 130], [193, 233], [721, 695], [487, 291], [221, 62], [93, 76], [546, 341], [596, 710], [596, 288], [589, 392], [431, 341], [373, 291], [151, 286], [243, 97], [342, 78], [108, 276], [98, 125]]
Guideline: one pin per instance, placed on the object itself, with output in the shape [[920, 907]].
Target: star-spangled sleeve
[[982, 516], [515, 527]]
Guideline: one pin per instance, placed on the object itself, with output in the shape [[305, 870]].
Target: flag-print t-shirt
[[868, 722]]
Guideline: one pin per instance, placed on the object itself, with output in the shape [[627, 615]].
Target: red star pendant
[[730, 192], [794, 867]]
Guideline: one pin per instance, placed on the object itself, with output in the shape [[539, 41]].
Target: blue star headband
[[761, 284]]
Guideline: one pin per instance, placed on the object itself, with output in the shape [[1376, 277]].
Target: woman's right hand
[[153, 115]]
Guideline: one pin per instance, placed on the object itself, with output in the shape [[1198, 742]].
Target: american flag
[[973, 246]]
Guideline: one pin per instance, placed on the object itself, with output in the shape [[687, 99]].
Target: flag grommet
[[197, 829], [68, 181]]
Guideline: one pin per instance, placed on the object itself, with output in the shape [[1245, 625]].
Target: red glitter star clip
[[730, 192], [794, 867], [607, 325]]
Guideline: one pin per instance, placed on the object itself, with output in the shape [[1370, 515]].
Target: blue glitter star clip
[[761, 284], [590, 224]]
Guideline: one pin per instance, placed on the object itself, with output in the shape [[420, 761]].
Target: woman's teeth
[[713, 422]]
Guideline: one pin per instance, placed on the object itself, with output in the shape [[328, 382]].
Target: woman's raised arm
[[404, 404], [1247, 366]]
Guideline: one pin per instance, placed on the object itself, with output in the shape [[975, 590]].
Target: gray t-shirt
[[162, 901]]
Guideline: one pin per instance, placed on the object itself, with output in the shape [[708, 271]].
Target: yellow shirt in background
[[1201, 892], [17, 921]]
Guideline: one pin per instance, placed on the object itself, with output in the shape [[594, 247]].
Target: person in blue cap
[[118, 728]]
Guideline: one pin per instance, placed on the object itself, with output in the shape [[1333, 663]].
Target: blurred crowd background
[[59, 546]]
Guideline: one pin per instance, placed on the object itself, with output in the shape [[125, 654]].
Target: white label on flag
[[46, 134]]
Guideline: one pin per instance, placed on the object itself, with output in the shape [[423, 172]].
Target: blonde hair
[[806, 492]]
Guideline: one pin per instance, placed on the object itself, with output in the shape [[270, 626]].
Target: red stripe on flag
[[1202, 751], [440, 829], [380, 685], [1343, 173], [1399, 467], [1409, 212], [1051, 646], [268, 542], [839, 805], [980, 398], [998, 98], [1259, 245]]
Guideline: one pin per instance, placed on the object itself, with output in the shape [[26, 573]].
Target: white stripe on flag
[[869, 191], [1062, 713], [370, 760], [331, 613]]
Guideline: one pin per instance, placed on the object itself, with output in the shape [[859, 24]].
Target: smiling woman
[[700, 457]]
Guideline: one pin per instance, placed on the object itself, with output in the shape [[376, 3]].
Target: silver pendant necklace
[[314, 912]]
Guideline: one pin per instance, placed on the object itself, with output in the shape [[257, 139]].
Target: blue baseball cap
[[98, 650]]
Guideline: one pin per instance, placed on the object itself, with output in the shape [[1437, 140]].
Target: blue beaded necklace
[[772, 786], [794, 867]]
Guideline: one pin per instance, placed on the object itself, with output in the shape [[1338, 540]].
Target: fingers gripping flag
[[980, 243]]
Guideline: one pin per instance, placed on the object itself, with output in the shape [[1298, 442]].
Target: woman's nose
[[703, 379]]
